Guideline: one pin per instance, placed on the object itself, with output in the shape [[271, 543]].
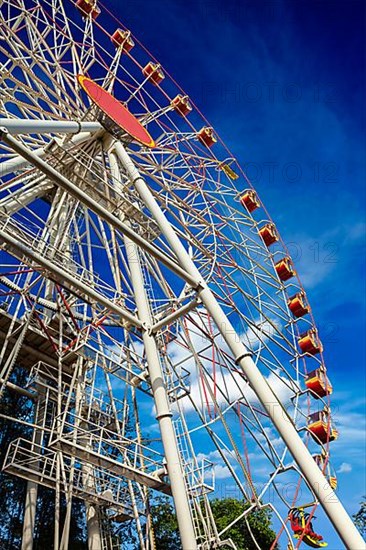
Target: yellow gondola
[[302, 528]]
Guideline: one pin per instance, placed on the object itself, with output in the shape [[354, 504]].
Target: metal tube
[[32, 487], [18, 163], [18, 389], [29, 515], [17, 126], [93, 527], [22, 198], [283, 423], [83, 197], [163, 412], [174, 315]]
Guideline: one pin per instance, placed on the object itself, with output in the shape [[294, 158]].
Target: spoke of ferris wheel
[[205, 423], [28, 86], [277, 363], [271, 280], [219, 444], [275, 458], [269, 400], [233, 443]]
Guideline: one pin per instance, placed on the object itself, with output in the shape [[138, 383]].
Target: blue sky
[[283, 84]]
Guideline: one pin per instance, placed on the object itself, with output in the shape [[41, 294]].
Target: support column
[[93, 528], [29, 515], [163, 412], [32, 487], [281, 420]]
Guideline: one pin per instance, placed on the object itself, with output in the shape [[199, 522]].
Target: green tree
[[227, 510], [165, 525], [360, 518], [224, 511]]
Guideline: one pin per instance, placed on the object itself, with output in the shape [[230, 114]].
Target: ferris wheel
[[168, 342]]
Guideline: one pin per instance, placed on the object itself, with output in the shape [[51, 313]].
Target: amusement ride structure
[[148, 296]]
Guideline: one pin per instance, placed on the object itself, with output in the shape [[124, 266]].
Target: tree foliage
[[225, 511], [258, 524], [360, 518], [165, 525]]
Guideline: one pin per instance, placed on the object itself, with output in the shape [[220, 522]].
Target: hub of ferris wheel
[[149, 298]]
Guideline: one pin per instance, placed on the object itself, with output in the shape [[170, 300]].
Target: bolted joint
[[3, 132], [137, 179], [79, 126], [145, 327], [199, 286]]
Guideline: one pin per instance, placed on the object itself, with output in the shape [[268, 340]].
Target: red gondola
[[285, 268], [181, 105], [88, 7], [317, 381], [153, 72], [324, 464], [298, 305], [302, 527], [122, 38], [309, 342], [250, 200], [206, 136], [320, 427], [269, 234]]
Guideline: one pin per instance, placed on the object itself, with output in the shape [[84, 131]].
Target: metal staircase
[[199, 480]]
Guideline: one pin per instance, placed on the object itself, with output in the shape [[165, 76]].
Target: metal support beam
[[18, 389], [32, 487], [17, 126], [174, 315], [281, 420], [93, 527], [24, 196], [163, 412], [90, 203], [29, 515]]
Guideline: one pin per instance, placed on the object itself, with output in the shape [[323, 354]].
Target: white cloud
[[351, 426], [356, 231], [344, 468], [270, 433], [230, 385], [220, 469]]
